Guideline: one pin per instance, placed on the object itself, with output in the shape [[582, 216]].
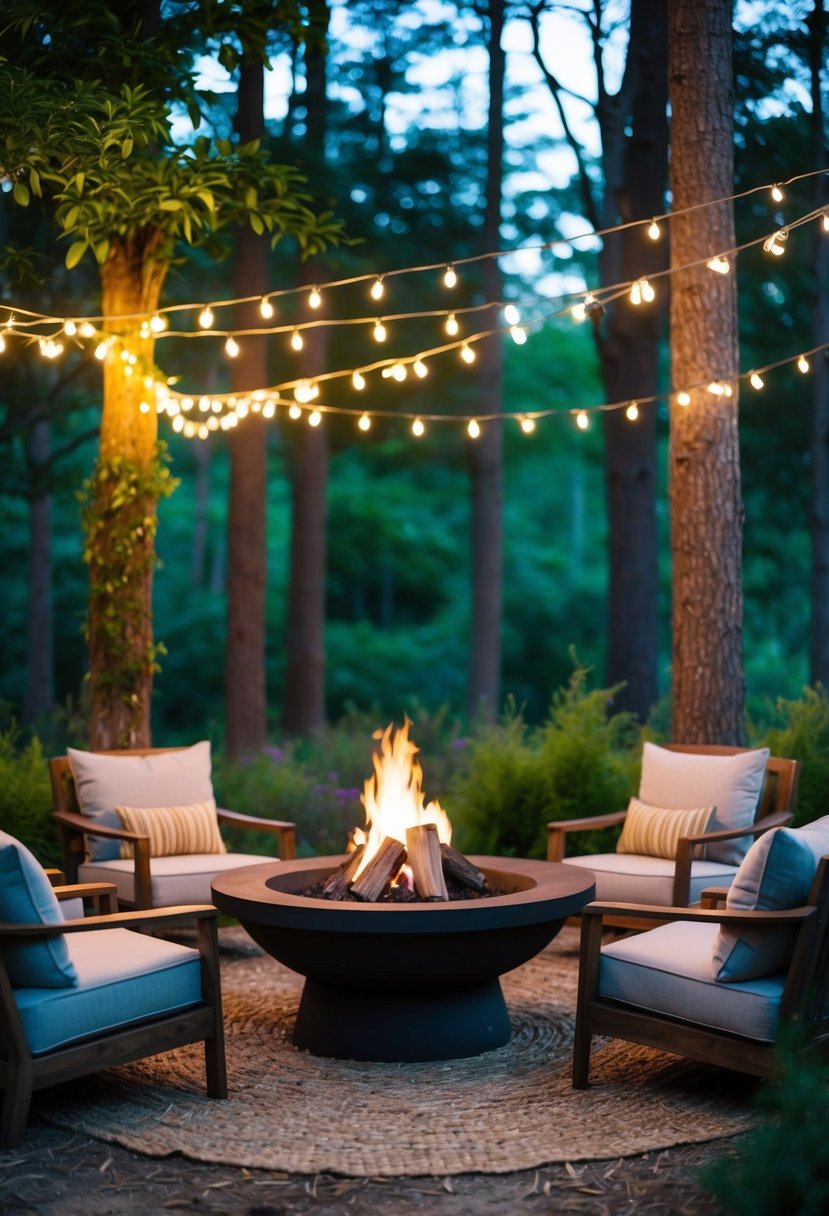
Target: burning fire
[[393, 797]]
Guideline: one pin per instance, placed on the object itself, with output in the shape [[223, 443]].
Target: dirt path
[[57, 1173]]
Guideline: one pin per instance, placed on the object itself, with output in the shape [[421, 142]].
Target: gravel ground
[[58, 1173]]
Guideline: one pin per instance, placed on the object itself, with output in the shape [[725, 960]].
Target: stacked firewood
[[430, 862]]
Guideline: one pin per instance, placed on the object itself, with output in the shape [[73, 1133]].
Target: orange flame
[[393, 797]]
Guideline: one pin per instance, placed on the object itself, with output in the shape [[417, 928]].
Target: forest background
[[404, 167]]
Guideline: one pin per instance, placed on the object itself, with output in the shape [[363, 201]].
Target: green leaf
[[75, 253], [70, 219], [256, 223], [207, 198], [126, 148], [250, 197], [101, 251], [34, 182], [170, 204], [80, 178], [21, 194]]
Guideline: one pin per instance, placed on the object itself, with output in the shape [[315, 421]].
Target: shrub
[[26, 797], [803, 734]]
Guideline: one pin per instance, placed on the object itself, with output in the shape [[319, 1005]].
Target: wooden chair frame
[[775, 808], [21, 1073], [74, 826], [804, 1002]]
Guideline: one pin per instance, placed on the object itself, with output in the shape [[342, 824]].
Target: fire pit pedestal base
[[403, 982]]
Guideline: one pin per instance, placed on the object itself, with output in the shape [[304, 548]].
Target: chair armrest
[[720, 916], [283, 829], [56, 877], [157, 918], [558, 830], [778, 820], [73, 826], [712, 897], [99, 892], [90, 827]]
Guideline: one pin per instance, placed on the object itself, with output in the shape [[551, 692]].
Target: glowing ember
[[393, 797]]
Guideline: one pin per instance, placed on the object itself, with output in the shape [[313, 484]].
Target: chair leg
[[581, 1056], [215, 1066], [17, 1098]]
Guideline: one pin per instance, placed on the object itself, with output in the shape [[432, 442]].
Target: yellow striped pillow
[[654, 831], [174, 830]]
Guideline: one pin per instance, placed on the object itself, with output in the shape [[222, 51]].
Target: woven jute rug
[[508, 1109]]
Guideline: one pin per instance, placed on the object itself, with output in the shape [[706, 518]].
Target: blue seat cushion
[[27, 898], [123, 977]]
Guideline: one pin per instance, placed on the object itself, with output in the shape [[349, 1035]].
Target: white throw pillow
[[732, 784], [775, 874], [176, 778]]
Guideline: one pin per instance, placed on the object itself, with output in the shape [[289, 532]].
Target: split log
[[423, 845], [337, 884], [384, 865], [461, 869]]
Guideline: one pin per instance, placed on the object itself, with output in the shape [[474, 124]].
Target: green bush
[[802, 733], [26, 797], [781, 1168], [583, 760]]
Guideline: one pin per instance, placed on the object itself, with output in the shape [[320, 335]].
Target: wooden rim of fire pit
[[271, 894]]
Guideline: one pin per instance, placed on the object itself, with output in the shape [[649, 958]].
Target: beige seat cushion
[[669, 970], [184, 879], [634, 878]]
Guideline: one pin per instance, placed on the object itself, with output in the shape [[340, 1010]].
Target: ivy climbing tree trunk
[[486, 453], [120, 513], [40, 649], [705, 496], [245, 694]]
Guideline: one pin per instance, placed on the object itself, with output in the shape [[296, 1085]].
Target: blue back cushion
[[26, 897]]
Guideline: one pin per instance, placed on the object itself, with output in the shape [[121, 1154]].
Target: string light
[[777, 193], [420, 369], [582, 421], [718, 265], [511, 314], [450, 277], [518, 335], [358, 381], [528, 425], [473, 428], [826, 220], [683, 398], [418, 429], [102, 350], [632, 412], [314, 298], [452, 327], [803, 364], [314, 418], [756, 380], [641, 292], [206, 317], [377, 289], [654, 231], [158, 323], [2, 344], [467, 354], [144, 407], [294, 412], [774, 243], [365, 422], [297, 342], [379, 331], [70, 328], [86, 329], [232, 347], [266, 308]]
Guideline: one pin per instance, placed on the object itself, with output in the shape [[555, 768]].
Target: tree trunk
[[122, 506], [486, 453], [303, 709], [245, 695], [636, 166], [705, 498], [819, 664], [40, 645]]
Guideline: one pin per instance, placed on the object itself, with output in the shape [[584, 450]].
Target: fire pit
[[403, 981]]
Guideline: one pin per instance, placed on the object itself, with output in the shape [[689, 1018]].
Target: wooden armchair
[[679, 880], [112, 995], [653, 988], [144, 880]]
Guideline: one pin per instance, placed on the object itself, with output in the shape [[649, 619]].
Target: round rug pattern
[[508, 1109]]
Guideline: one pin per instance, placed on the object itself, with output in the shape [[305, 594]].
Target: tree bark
[[121, 548], [486, 453], [705, 497], [819, 658], [245, 694], [39, 695]]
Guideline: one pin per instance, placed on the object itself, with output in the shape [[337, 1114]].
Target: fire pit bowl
[[402, 981]]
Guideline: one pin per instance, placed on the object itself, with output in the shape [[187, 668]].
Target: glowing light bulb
[[774, 243], [467, 354], [377, 290], [266, 309], [648, 293], [450, 277], [518, 335], [314, 418], [511, 315], [379, 331], [632, 412], [582, 421], [718, 265], [683, 398], [304, 392], [716, 389], [803, 364], [158, 323], [418, 428], [294, 412], [399, 372], [777, 193], [144, 407], [231, 347], [296, 340], [2, 344], [473, 430], [178, 423], [756, 380], [451, 326], [528, 425], [420, 369], [365, 422], [206, 317], [579, 311], [204, 432], [314, 298], [358, 381], [70, 328], [636, 293], [102, 350], [654, 231], [269, 409], [87, 329], [826, 220]]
